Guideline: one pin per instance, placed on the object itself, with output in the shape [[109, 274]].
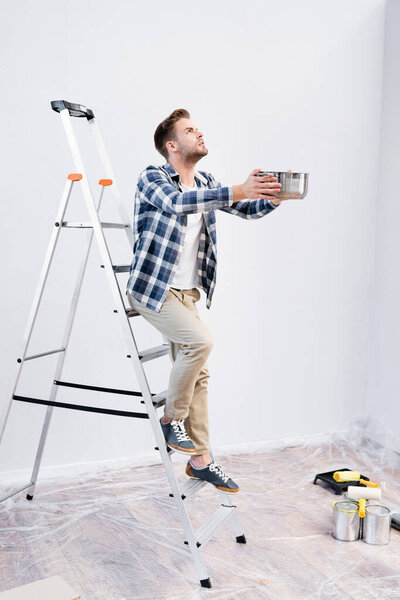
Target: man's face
[[188, 143]]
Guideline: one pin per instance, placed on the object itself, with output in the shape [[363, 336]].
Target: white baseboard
[[62, 471]]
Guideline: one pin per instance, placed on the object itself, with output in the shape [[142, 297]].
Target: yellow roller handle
[[369, 483], [361, 510]]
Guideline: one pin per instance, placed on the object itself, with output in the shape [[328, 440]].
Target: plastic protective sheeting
[[111, 535]]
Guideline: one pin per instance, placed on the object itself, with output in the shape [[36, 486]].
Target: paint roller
[[341, 476], [362, 494]]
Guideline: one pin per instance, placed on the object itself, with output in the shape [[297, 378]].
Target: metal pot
[[294, 185]]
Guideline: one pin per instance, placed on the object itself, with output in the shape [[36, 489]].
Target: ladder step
[[88, 225], [158, 399], [41, 354], [152, 353], [191, 487], [120, 268], [213, 523]]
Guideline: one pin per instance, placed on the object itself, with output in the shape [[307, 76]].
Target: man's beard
[[193, 155]]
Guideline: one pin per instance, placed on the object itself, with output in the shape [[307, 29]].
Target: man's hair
[[166, 130]]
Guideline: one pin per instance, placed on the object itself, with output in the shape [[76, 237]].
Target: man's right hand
[[257, 186]]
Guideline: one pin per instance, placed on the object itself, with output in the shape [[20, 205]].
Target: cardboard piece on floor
[[51, 588]]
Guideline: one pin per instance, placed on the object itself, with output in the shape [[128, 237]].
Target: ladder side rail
[[38, 296], [119, 306], [234, 522], [109, 173], [160, 440], [131, 345], [61, 359], [93, 215], [133, 353]]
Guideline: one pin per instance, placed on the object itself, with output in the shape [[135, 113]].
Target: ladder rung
[[120, 268], [95, 409], [158, 399], [191, 487], [155, 352], [88, 225], [131, 312], [41, 354], [213, 523]]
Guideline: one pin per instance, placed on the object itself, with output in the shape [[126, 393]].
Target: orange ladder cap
[[105, 182], [75, 176]]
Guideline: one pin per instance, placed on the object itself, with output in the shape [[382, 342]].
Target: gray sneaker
[[214, 474], [176, 436]]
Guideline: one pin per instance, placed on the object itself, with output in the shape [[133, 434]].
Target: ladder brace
[[96, 388], [209, 527], [41, 354]]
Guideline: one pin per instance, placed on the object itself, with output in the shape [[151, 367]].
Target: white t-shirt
[[186, 275]]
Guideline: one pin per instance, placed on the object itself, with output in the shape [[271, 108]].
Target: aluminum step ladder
[[194, 540]]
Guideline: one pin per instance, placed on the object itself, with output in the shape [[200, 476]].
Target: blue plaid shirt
[[159, 226]]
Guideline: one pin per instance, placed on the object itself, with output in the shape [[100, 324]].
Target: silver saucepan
[[294, 185]]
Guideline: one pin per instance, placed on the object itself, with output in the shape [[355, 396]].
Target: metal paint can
[[377, 523], [346, 521]]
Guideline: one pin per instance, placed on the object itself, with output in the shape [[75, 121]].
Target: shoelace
[[218, 470], [179, 428]]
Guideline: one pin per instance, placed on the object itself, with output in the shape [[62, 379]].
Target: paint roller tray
[[337, 486]]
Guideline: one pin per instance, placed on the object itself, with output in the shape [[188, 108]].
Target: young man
[[175, 253]]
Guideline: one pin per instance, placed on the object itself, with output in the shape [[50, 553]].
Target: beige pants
[[191, 343]]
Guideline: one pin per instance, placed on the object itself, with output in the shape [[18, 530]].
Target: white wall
[[383, 389], [272, 85]]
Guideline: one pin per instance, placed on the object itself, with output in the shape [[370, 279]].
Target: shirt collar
[[174, 174]]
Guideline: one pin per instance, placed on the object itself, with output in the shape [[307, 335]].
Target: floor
[[109, 535]]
